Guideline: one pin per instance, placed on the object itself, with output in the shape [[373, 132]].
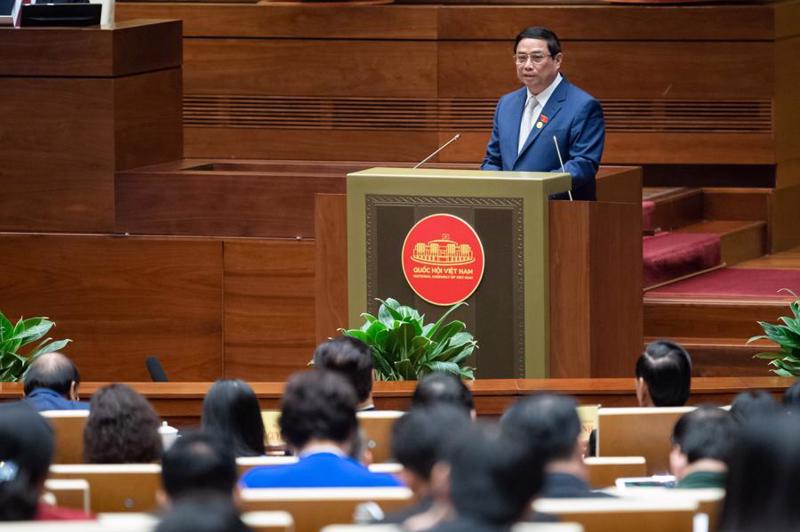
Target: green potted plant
[[785, 362], [16, 351], [404, 347]]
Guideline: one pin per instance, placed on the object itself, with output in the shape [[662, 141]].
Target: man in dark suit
[[527, 120]]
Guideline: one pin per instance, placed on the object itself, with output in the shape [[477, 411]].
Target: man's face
[[539, 69]]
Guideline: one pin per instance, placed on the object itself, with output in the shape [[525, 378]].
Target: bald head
[[55, 372]]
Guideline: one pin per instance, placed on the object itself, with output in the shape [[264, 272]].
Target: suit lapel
[[550, 111], [517, 107]]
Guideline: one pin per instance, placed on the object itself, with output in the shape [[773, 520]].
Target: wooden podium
[[561, 291]]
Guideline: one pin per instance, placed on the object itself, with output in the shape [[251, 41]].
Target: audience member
[[26, 450], [419, 441], [352, 358], [198, 464], [52, 382], [663, 375], [122, 428], [762, 490], [791, 397], [701, 446], [202, 514], [438, 388], [231, 411], [318, 422], [550, 422], [753, 404]]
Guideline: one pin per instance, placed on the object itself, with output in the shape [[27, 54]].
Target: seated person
[[122, 428], [419, 441], [752, 404], [198, 464], [26, 450], [439, 387], [663, 375], [202, 514], [51, 383], [351, 358], [701, 446], [231, 411], [318, 422], [791, 397], [550, 422]]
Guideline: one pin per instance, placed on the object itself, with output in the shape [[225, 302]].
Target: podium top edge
[[443, 173]]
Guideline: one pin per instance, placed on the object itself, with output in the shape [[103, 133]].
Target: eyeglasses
[[536, 59]]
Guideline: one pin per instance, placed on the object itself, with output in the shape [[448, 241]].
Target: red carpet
[[735, 283], [670, 255]]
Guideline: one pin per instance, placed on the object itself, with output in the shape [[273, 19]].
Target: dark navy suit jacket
[[574, 117]]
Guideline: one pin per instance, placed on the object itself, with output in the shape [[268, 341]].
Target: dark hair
[[493, 476], [26, 450], [762, 491], [706, 432], [352, 358], [198, 462], [53, 371], [317, 404], [543, 34], [202, 514], [666, 368], [420, 436], [753, 403], [550, 421], [438, 387], [231, 411], [122, 428], [791, 397]]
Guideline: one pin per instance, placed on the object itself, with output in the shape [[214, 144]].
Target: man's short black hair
[[706, 432], [420, 437], [352, 358], [666, 368], [318, 404], [198, 462], [203, 514], [442, 388], [752, 404], [550, 421], [543, 34], [791, 397], [53, 371]]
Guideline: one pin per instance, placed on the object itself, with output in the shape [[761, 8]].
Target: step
[[725, 357], [737, 203], [740, 240], [674, 207]]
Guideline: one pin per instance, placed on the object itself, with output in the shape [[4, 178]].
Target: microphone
[[561, 161], [440, 148], [155, 369]]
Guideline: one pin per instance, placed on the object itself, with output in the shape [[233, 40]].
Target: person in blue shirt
[[318, 422], [51, 383]]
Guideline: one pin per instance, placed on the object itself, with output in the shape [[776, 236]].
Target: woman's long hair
[[231, 411]]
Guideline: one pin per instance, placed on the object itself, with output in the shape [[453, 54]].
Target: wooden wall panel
[[330, 259], [269, 308], [787, 109], [121, 300]]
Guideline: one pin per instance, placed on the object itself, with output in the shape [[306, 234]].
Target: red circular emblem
[[443, 259]]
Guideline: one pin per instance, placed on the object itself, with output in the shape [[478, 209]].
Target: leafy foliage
[[785, 362], [16, 338], [405, 348]]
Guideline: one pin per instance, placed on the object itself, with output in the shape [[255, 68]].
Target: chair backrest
[[71, 493], [314, 508], [639, 432], [68, 428], [115, 487], [269, 521], [623, 515], [519, 527], [75, 526], [377, 427], [708, 499], [246, 463], [605, 470]]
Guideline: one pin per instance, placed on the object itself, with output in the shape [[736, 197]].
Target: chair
[[246, 463], [605, 470], [115, 487], [709, 499], [73, 493], [623, 515], [68, 428], [377, 427], [519, 527], [269, 521], [639, 432]]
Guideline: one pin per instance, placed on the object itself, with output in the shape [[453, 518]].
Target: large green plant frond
[[786, 334]]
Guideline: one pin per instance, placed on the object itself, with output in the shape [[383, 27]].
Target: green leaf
[[49, 348], [6, 328], [441, 320], [446, 332]]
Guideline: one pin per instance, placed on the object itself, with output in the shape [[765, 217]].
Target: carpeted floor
[[735, 283], [671, 255]]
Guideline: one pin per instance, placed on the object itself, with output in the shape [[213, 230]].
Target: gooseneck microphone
[[440, 148], [155, 369], [561, 161]]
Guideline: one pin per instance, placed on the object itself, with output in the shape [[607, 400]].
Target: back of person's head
[[231, 411], [542, 34], [26, 450], [53, 371], [202, 514], [198, 462], [753, 404], [762, 490], [706, 432], [318, 405], [420, 437], [791, 397], [666, 368], [438, 388], [493, 475], [550, 421], [352, 358], [122, 428]]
